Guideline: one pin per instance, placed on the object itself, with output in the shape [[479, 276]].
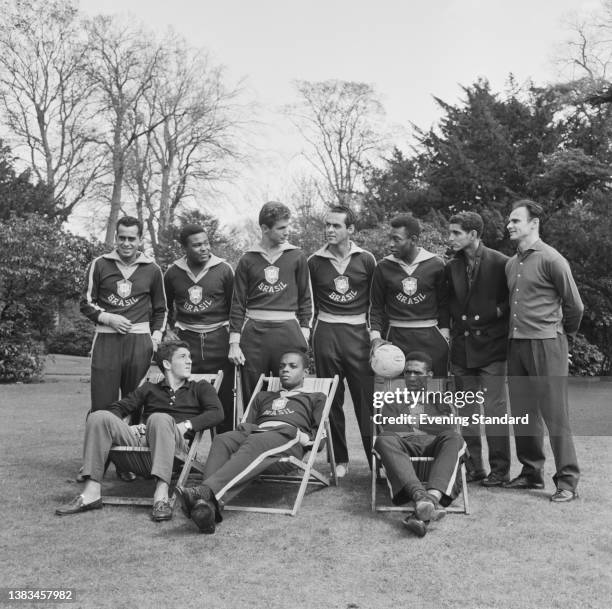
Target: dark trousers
[[537, 379], [395, 451], [238, 456], [429, 340], [491, 380], [119, 362], [263, 343], [209, 355], [344, 349]]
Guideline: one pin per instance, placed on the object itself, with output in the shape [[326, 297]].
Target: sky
[[408, 51]]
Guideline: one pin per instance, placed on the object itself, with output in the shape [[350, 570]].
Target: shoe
[[475, 476], [203, 514], [341, 470], [414, 525], [563, 495], [522, 482], [76, 506], [162, 510], [494, 480], [126, 476], [427, 507], [191, 495]]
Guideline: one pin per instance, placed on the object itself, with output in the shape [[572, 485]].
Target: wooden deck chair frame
[[137, 459], [420, 465], [308, 475]]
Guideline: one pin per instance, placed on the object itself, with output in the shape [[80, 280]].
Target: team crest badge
[[409, 286], [195, 294], [271, 273], [124, 288], [341, 284], [279, 404]]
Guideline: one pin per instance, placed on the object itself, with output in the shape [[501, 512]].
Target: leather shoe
[[494, 480], [126, 476], [475, 476], [415, 525], [162, 510], [522, 482], [203, 514], [427, 507], [190, 496], [563, 495], [76, 506]]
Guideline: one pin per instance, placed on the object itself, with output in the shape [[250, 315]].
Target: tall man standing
[[545, 309], [271, 286], [478, 297], [199, 294], [410, 297], [341, 275]]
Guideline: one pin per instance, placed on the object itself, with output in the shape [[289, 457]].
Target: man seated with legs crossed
[[279, 422], [172, 411], [398, 442]]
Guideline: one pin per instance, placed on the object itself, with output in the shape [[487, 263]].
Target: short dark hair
[[350, 218], [166, 350], [534, 210], [297, 351], [129, 221], [420, 356], [188, 230], [468, 220], [410, 223], [272, 212]]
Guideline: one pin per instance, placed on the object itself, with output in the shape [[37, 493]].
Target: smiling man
[[284, 421], [172, 411]]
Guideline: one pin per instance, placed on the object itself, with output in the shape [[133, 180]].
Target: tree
[[42, 58], [340, 121]]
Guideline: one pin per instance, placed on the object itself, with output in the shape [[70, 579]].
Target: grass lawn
[[515, 550]]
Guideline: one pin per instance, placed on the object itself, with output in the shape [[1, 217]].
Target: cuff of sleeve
[[234, 338]]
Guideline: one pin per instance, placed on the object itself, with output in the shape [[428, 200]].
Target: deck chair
[[306, 474], [421, 464], [137, 459]]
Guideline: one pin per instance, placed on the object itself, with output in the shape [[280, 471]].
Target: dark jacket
[[479, 314]]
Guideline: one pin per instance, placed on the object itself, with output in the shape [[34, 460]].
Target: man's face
[[401, 244], [416, 375], [180, 364], [291, 370], [127, 241], [520, 226], [278, 233], [458, 238], [336, 230], [197, 249]]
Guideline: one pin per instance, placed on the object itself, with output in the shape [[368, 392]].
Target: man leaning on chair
[[173, 410]]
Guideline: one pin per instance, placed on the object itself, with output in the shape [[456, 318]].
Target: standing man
[[478, 297], [199, 294], [410, 296], [271, 286], [341, 275], [545, 309]]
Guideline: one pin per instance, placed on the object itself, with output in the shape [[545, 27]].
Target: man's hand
[[303, 438], [306, 333], [117, 322], [139, 430], [156, 337], [182, 428], [171, 335], [235, 355], [376, 343]]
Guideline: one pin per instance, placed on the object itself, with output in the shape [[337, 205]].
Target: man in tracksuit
[[199, 294], [341, 274], [271, 287]]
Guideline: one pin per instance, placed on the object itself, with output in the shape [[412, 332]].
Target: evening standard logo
[[272, 284], [342, 293]]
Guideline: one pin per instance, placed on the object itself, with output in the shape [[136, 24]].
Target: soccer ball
[[388, 361]]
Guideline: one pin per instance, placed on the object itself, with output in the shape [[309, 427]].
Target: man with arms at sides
[[397, 443], [173, 410], [271, 285], [478, 296], [410, 297], [545, 311], [124, 297], [199, 294], [341, 275], [280, 422]]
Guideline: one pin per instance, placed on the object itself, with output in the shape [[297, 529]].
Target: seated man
[[395, 447], [278, 422], [173, 410]]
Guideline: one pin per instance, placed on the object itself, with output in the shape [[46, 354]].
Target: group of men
[[482, 314]]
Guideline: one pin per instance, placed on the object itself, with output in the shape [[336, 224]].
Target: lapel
[[463, 284]]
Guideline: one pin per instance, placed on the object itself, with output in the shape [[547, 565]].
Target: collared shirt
[[196, 401], [544, 299]]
